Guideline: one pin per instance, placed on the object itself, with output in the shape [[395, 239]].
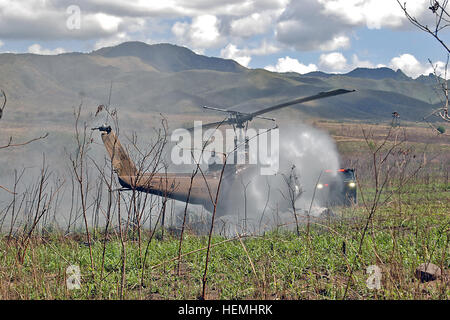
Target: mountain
[[378, 74], [168, 57], [173, 80], [319, 74], [429, 79], [366, 73]]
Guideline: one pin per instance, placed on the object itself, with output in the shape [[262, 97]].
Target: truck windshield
[[343, 174], [348, 175]]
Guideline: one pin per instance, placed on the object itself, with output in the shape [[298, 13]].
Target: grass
[[408, 228], [276, 265]]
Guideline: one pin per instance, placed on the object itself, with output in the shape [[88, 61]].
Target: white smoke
[[304, 151], [262, 206]]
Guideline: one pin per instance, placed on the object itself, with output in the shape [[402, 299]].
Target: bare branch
[[439, 12], [442, 21], [1, 187], [11, 144], [4, 103]]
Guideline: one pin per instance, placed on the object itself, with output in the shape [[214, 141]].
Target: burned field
[[129, 247]]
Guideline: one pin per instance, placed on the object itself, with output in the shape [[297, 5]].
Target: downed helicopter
[[203, 189]]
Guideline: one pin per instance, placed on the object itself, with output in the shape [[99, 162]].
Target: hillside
[[174, 80], [168, 58], [378, 74]]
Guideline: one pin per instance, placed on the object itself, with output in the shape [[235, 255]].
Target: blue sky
[[279, 35]]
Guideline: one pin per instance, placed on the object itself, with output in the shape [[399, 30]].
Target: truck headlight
[[352, 184], [319, 186]]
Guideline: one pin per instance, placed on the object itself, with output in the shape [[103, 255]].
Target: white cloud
[[211, 23], [408, 64], [440, 70], [1, 43], [37, 49], [288, 64], [414, 68], [107, 22], [305, 26], [338, 42], [263, 49], [362, 63], [244, 56], [334, 61], [254, 24], [327, 24], [39, 20], [374, 14], [204, 30], [112, 41], [179, 29], [202, 33], [232, 52], [230, 7]]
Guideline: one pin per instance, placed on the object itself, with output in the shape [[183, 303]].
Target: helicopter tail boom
[[120, 159]]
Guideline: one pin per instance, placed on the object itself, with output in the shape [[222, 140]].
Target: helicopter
[[198, 189]]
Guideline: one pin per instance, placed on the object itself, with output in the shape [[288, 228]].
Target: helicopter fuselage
[[198, 189]]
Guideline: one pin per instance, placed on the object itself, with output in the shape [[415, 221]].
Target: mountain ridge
[[158, 55], [175, 80]]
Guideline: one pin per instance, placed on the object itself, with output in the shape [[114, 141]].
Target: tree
[[11, 142], [442, 21]]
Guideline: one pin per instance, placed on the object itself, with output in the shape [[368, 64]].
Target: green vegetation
[[411, 229]]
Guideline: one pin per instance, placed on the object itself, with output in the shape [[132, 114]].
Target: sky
[[279, 35]]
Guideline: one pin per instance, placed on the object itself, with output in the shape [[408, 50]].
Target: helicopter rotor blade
[[210, 125], [216, 109], [320, 95], [245, 117], [265, 118]]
